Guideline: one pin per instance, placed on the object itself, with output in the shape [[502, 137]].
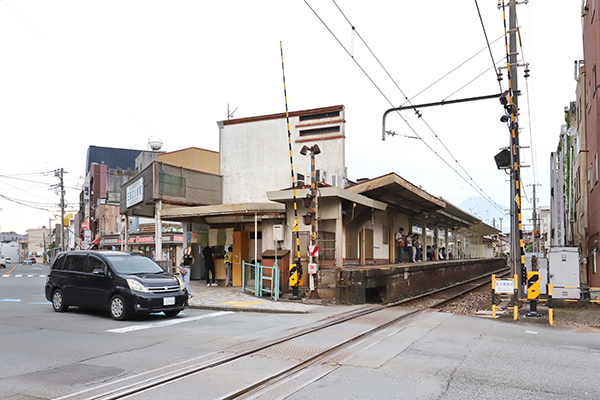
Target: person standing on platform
[[184, 269], [400, 244], [409, 246], [228, 261], [418, 248], [209, 263]]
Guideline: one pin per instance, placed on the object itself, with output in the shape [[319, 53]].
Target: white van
[[2, 262]]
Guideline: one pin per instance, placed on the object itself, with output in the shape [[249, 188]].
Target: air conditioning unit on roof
[[321, 175]]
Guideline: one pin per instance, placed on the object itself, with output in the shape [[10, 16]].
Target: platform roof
[[400, 194]]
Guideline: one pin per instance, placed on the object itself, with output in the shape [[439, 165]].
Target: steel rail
[[145, 381]]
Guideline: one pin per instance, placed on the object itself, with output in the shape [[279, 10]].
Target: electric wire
[[480, 190], [471, 81], [453, 70], [487, 41], [531, 135], [476, 187]]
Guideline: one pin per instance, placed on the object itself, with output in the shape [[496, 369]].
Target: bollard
[[550, 310], [494, 296]]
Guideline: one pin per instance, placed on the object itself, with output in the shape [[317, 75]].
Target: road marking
[[170, 322], [6, 276], [531, 332], [41, 302], [11, 300], [244, 303], [18, 276]]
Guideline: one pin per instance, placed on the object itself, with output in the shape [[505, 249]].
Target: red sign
[[85, 225], [313, 251]]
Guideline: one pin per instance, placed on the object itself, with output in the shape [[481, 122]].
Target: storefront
[[172, 244]]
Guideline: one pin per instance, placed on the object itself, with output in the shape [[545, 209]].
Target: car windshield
[[132, 264]]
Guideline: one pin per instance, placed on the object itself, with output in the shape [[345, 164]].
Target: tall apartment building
[[591, 115]]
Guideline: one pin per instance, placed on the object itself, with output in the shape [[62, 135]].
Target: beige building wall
[[36, 238], [193, 158]]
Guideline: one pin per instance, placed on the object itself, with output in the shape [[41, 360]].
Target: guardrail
[[259, 277]]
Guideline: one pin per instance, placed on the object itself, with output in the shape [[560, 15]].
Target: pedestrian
[[228, 260], [435, 251], [184, 269], [409, 247], [418, 248], [400, 244], [429, 253], [209, 263]]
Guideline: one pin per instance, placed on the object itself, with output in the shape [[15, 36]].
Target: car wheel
[[171, 313], [58, 302], [117, 308]]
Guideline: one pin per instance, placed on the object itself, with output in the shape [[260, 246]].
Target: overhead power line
[[471, 183]]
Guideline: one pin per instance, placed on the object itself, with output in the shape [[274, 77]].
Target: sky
[[115, 73]]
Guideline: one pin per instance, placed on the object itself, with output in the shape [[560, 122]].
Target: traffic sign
[[313, 268], [313, 251]]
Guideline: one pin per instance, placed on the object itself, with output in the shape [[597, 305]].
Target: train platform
[[233, 299]]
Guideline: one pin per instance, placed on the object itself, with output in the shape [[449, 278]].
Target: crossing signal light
[[309, 218]]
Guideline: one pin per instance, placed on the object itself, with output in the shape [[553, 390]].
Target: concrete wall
[[193, 158], [360, 285], [255, 156]]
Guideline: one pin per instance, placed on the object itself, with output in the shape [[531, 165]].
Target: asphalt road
[[45, 355]]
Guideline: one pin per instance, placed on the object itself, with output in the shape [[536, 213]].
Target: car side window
[[96, 263], [59, 262], [74, 262]]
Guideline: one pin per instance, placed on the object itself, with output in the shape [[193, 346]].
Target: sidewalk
[[232, 299]]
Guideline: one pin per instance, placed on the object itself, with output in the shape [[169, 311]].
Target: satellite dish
[[155, 143]]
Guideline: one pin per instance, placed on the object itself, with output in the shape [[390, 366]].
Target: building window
[[588, 103], [319, 116], [596, 168], [320, 131], [578, 184]]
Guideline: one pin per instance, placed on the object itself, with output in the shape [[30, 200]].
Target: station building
[[249, 203]]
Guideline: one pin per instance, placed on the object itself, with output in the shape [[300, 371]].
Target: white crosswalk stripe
[[23, 276]]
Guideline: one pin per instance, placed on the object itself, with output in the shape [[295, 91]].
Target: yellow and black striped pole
[[519, 254], [295, 269]]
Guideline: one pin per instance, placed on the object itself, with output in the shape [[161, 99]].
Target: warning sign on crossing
[[313, 251]]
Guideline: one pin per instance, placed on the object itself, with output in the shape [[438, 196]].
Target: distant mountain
[[480, 207]]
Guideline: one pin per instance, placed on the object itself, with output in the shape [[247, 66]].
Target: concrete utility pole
[[60, 173], [536, 238], [516, 239]]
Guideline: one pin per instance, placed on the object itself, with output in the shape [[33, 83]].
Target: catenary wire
[[452, 70], [476, 187], [487, 40]]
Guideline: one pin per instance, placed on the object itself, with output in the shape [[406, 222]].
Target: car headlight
[[136, 286], [181, 283]]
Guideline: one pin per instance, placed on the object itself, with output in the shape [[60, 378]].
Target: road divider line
[[170, 322]]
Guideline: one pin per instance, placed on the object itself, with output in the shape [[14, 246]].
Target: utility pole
[[536, 237], [511, 104], [60, 174]]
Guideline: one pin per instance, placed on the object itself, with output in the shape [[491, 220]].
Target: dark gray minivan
[[121, 282]]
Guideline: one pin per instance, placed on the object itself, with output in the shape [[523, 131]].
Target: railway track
[[280, 366]]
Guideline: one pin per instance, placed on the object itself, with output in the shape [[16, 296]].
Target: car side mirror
[[98, 271]]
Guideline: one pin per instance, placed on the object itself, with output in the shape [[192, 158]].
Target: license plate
[[169, 301]]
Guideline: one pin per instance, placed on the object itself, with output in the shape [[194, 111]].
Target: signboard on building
[[135, 193]]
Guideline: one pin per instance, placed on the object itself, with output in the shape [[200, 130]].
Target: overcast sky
[[114, 73]]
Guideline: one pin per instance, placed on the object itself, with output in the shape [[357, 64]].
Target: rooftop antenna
[[230, 114]]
